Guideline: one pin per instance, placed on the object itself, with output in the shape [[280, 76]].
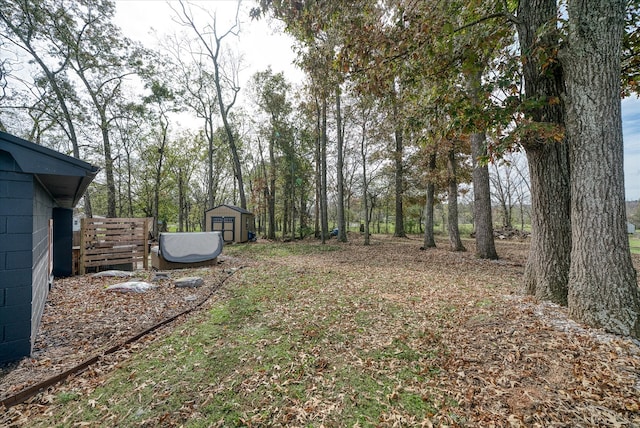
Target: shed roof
[[64, 177], [232, 207]]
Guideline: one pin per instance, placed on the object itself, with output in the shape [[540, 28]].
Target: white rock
[[131, 287]]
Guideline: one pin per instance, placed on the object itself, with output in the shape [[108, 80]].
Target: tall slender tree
[[27, 22], [192, 74], [226, 81], [342, 225], [429, 235], [97, 54], [398, 162], [159, 102]]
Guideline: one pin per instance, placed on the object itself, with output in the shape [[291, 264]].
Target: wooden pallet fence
[[113, 241]]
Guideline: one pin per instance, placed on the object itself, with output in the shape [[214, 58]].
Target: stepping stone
[[189, 282], [131, 287], [113, 273], [160, 276]]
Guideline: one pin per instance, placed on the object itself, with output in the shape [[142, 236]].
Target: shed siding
[[244, 221], [42, 213], [16, 212], [33, 181]]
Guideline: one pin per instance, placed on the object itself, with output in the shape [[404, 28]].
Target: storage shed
[[631, 228], [38, 189], [235, 223]]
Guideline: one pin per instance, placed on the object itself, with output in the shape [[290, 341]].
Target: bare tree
[[225, 80], [510, 186], [200, 95]]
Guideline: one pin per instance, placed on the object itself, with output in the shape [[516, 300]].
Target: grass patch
[[66, 397], [397, 350], [278, 249], [634, 243], [300, 338]]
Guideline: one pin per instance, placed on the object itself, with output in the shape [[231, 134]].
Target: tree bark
[[318, 174], [485, 245], [399, 176], [429, 237], [342, 225], [547, 269], [603, 290], [106, 144], [108, 158], [158, 177], [324, 217], [181, 201], [365, 182], [271, 195], [452, 199]]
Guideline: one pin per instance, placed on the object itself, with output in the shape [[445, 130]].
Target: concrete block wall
[[41, 279], [16, 238]]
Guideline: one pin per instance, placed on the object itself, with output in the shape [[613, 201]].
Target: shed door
[[226, 225]]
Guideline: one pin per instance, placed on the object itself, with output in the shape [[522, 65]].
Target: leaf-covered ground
[[347, 335], [82, 319]]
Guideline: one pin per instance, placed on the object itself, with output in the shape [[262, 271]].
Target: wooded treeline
[[404, 102]]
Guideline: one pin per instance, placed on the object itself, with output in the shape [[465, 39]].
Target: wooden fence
[[113, 241]]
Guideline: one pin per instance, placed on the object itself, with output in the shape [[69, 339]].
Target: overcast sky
[[631, 133], [261, 47]]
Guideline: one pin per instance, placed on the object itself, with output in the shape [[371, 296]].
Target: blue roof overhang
[[64, 177]]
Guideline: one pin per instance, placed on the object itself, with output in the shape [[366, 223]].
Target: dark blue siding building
[[38, 189]]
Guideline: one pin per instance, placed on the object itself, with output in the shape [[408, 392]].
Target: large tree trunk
[[271, 195], [547, 270], [210, 148], [429, 237], [603, 291], [365, 182], [108, 167], [324, 216], [399, 177], [224, 109], [318, 174], [452, 199], [158, 178], [485, 245], [302, 212], [342, 225], [237, 167], [181, 201]]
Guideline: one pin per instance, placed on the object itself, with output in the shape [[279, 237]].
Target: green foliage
[[634, 244], [631, 50], [633, 213]]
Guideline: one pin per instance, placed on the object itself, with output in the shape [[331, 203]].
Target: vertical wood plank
[[83, 244]]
